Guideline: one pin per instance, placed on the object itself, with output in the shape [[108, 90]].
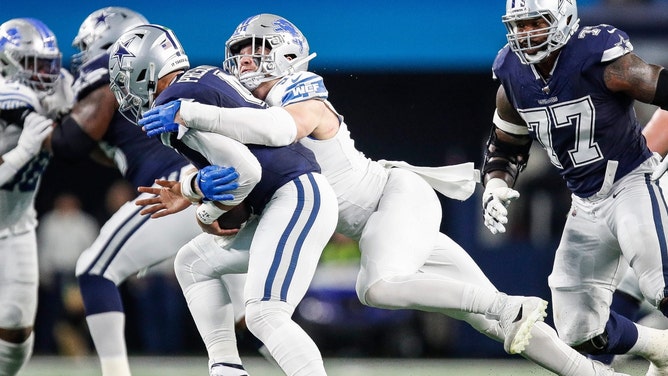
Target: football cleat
[[517, 318]]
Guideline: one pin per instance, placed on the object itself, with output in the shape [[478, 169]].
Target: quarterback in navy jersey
[[129, 242], [295, 209], [571, 89]]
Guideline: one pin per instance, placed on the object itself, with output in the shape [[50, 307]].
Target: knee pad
[[267, 315], [594, 346], [13, 317]]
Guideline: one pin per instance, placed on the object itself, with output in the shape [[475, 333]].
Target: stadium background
[[413, 80]]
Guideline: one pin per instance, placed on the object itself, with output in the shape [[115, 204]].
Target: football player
[[572, 89], [33, 85], [294, 209], [128, 242], [389, 207]]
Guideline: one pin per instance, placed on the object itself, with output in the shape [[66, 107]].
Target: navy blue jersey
[[210, 85], [140, 159], [580, 123]]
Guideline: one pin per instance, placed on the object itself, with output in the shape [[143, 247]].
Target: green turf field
[[196, 366]]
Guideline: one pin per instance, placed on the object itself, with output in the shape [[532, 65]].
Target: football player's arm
[[505, 157], [656, 132], [508, 146], [35, 129], [273, 126], [645, 82], [78, 133]]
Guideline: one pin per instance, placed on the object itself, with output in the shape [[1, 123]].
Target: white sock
[[108, 332], [13, 356], [549, 352]]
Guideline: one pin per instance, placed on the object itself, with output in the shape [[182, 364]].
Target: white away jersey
[[357, 180], [17, 213]]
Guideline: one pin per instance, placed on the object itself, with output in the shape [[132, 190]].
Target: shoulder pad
[[297, 87], [605, 40], [14, 95]]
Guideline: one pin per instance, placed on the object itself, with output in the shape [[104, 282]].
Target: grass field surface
[[196, 366]]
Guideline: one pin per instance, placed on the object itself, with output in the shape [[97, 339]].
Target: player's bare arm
[[503, 140], [94, 112], [656, 132], [314, 118], [631, 75]]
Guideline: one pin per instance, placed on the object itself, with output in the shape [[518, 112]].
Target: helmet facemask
[[137, 60], [29, 54], [278, 49], [133, 104], [559, 16]]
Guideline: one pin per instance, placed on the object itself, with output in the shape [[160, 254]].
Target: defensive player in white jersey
[[128, 242], [32, 84], [572, 89], [294, 208], [393, 212]]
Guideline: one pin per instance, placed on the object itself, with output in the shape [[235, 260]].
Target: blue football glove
[[216, 181], [160, 119]]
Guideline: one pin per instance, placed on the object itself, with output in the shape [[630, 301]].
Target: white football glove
[[495, 200], [660, 169], [36, 129]]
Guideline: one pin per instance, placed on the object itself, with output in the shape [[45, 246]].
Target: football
[[235, 217]]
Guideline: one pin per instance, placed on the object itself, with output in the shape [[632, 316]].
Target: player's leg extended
[[545, 348], [200, 266], [641, 215], [292, 232], [128, 243], [18, 300], [588, 266], [398, 240]]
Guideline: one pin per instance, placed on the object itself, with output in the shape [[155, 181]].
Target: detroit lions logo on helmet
[[12, 36], [283, 25]]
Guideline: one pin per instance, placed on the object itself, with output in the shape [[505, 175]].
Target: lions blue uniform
[[592, 136]]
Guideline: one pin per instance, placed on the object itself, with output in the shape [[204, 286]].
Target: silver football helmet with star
[[288, 49], [560, 15], [137, 60], [29, 54], [100, 30]]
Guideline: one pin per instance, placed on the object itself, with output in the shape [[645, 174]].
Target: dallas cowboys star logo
[[122, 52], [102, 18], [624, 43]]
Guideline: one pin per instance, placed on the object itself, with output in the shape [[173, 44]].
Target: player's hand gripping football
[[161, 119], [495, 201]]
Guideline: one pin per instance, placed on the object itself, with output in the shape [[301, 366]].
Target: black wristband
[[661, 94], [15, 116]]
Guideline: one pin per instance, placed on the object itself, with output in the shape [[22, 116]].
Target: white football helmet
[[560, 15], [29, 54], [100, 30], [288, 49], [137, 60]]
